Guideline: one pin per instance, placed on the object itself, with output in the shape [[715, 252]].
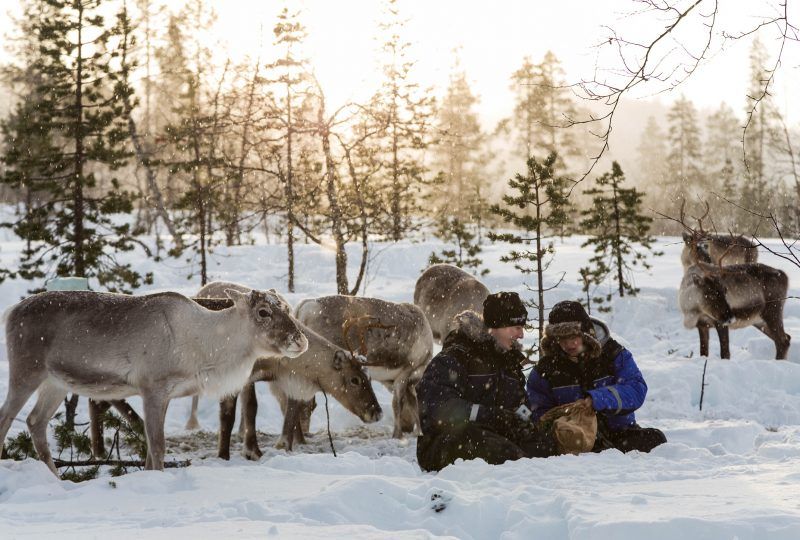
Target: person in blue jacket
[[472, 394], [580, 360]]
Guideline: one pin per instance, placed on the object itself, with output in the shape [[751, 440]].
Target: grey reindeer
[[723, 287], [395, 338], [159, 346], [443, 291], [294, 382]]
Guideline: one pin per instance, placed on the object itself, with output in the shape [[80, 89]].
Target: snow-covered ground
[[729, 471]]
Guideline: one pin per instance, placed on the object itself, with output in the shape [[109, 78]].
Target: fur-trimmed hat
[[504, 309], [567, 319]]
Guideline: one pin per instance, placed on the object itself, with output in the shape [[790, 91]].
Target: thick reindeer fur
[[723, 249], [443, 291], [323, 366], [111, 346], [398, 349], [732, 296]]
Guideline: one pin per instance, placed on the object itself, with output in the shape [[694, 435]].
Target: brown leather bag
[[574, 426]]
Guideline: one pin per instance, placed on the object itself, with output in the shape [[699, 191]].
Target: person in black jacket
[[581, 361], [471, 397]]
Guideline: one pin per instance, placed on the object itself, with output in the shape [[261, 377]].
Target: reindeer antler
[[362, 324]]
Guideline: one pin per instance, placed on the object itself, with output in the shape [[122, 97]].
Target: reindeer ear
[[240, 299], [339, 358], [686, 237]]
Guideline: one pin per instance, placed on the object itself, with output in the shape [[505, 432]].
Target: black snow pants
[[437, 451], [626, 440]]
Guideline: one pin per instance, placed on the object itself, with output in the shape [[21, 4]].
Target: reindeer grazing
[[395, 338], [732, 296], [443, 291], [323, 366], [160, 346]]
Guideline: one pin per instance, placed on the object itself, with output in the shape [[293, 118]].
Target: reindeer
[[160, 346], [395, 338], [724, 249], [323, 366], [732, 296], [443, 291]]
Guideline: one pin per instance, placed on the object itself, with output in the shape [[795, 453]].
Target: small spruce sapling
[[619, 234], [466, 252]]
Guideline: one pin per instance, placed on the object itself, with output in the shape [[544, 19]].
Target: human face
[[572, 345], [508, 336]]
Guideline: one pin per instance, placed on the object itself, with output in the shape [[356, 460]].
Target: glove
[[505, 422]]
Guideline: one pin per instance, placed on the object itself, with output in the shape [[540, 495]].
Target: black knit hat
[[569, 318], [504, 309]]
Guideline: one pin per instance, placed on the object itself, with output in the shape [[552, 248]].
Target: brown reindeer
[[396, 337], [724, 249], [323, 366], [443, 291], [160, 346], [732, 296]]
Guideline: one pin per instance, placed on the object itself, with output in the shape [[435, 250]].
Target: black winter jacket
[[471, 379]]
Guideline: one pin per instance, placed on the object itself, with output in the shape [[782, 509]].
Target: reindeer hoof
[[283, 444], [224, 455], [192, 424], [252, 454]]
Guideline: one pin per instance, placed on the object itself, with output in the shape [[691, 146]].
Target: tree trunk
[[618, 242]]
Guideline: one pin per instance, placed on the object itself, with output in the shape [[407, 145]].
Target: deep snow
[[731, 470]]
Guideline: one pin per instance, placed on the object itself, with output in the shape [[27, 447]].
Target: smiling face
[[508, 337]]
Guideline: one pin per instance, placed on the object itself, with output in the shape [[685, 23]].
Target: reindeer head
[[351, 386], [275, 332]]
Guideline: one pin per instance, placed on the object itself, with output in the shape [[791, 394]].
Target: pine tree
[[406, 113], [465, 253], [193, 139], [722, 160], [543, 112], [460, 152], [762, 121], [290, 74], [538, 211], [652, 166], [619, 233], [685, 154], [541, 122], [73, 230]]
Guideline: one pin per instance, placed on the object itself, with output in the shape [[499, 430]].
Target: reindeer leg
[[227, 416], [301, 427], [305, 418], [193, 423], [50, 397], [96, 411], [723, 333], [398, 389], [19, 390], [411, 421], [155, 410], [774, 330], [289, 423], [250, 449], [702, 329]]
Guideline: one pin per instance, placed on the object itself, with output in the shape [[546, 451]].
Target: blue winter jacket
[[611, 378]]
